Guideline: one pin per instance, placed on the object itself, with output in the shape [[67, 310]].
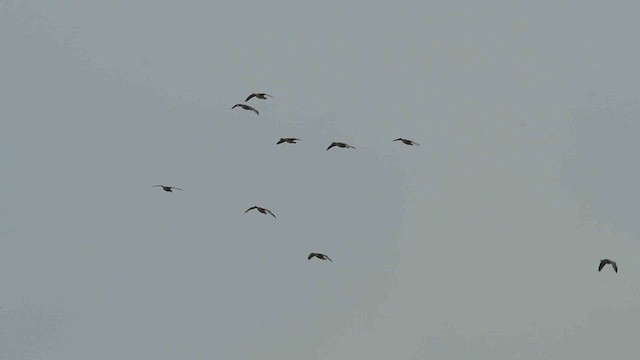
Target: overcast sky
[[482, 243]]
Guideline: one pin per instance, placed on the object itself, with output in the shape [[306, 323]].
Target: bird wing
[[251, 208], [415, 143], [328, 258], [349, 146], [280, 141], [615, 267], [235, 106], [157, 185], [311, 255], [254, 110], [250, 96], [602, 264], [269, 211], [332, 145], [398, 139], [176, 188]]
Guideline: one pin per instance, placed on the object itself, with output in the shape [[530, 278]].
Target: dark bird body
[[246, 107], [261, 209], [606, 262], [168, 188], [340, 145], [406, 141], [287, 140], [262, 96], [319, 256]]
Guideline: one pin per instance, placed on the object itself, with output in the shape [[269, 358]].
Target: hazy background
[[483, 243]]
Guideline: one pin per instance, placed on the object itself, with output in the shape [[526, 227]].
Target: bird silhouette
[[340, 144], [261, 209], [319, 256], [287, 140], [607, 261], [262, 96], [246, 107], [407, 142], [168, 188]]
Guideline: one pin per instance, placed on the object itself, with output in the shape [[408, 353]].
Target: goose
[[246, 107], [287, 140], [607, 261], [262, 96], [319, 256], [407, 142], [168, 188], [340, 144], [261, 209]]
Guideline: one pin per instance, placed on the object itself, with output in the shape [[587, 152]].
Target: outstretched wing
[[157, 185], [176, 188], [414, 143], [250, 96], [328, 258], [311, 255], [280, 141], [602, 264], [332, 145], [235, 106], [254, 110], [269, 211], [349, 146], [251, 208], [615, 267], [398, 139]]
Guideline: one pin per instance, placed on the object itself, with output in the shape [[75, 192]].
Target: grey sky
[[483, 243]]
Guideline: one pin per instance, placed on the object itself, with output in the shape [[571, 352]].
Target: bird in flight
[[168, 188], [340, 144], [607, 261], [262, 96], [407, 142], [261, 209], [246, 107], [319, 256], [287, 140]]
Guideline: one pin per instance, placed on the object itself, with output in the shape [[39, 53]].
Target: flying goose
[[262, 96], [168, 188], [261, 209], [407, 142], [319, 256], [607, 261], [246, 107], [287, 140], [340, 144]]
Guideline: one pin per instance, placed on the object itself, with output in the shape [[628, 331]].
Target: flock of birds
[[289, 140], [265, 96]]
